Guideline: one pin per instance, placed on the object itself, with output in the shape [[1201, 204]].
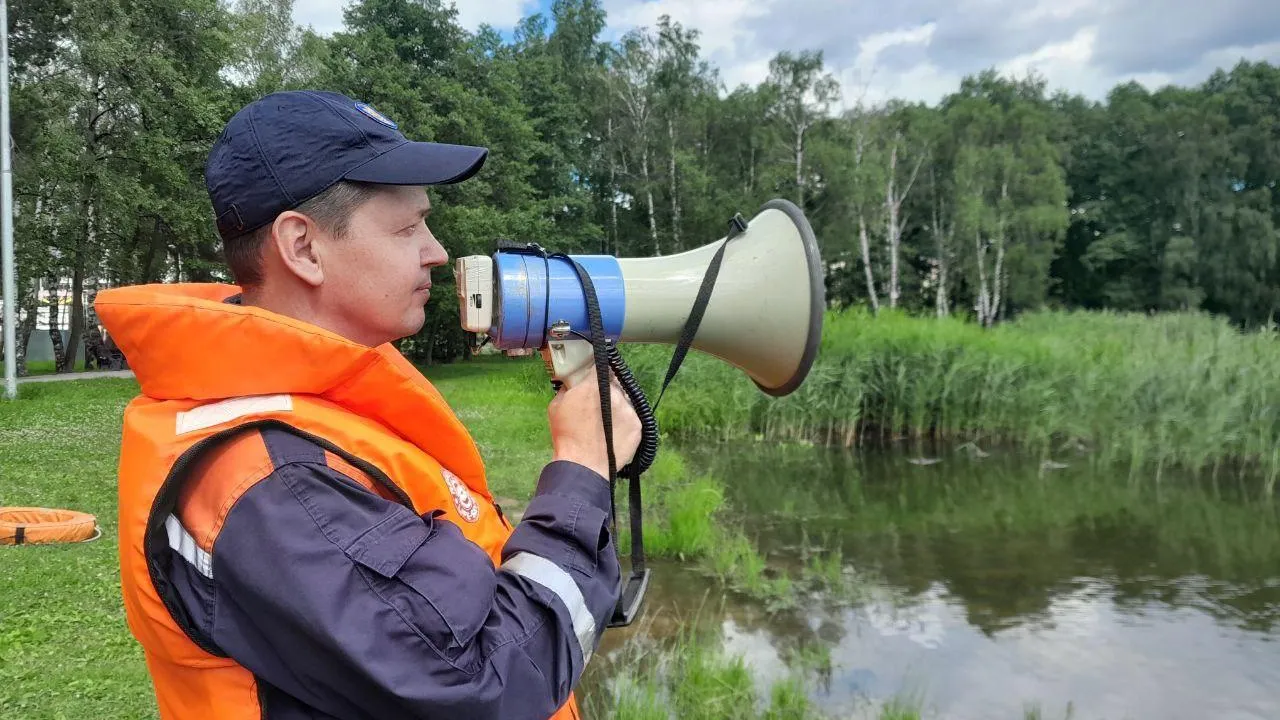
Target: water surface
[[980, 586]]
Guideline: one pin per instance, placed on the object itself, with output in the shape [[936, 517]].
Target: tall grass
[[1154, 392]]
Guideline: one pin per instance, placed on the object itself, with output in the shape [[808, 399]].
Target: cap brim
[[421, 163]]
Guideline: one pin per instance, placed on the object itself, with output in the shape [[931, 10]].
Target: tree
[[1000, 197], [121, 100], [803, 95], [633, 69], [1010, 190]]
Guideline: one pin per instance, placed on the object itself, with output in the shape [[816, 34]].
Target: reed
[[1152, 392]]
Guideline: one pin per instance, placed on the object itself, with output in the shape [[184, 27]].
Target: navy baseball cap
[[288, 147]]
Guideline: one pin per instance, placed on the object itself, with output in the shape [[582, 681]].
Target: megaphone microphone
[[754, 299]]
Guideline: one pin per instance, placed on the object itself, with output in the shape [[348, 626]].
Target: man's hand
[[577, 429]]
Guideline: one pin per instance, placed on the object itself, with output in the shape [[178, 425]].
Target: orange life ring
[[42, 526]]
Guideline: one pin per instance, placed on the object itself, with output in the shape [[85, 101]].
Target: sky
[[920, 49]]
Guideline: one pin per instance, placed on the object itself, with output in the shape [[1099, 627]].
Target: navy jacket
[[346, 605]]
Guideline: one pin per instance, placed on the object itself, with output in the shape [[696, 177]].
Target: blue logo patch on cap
[[377, 116]]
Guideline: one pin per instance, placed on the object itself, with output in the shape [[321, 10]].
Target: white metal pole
[[6, 208]]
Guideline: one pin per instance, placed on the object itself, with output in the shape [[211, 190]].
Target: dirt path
[[77, 376]]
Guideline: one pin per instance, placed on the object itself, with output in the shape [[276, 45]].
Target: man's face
[[378, 277]]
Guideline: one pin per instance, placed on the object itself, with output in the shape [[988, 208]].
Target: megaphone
[[754, 299], [763, 315]]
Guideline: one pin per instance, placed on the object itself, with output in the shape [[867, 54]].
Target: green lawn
[[64, 648], [65, 651]]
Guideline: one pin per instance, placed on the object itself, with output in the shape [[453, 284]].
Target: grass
[[1154, 393], [65, 650]]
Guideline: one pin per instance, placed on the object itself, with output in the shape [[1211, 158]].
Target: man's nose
[[434, 254]]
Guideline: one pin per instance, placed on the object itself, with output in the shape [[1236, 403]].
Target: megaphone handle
[[568, 361]]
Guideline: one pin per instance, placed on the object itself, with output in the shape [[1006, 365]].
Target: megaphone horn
[[763, 315]]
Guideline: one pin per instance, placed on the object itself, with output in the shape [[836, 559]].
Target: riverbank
[[1149, 393]]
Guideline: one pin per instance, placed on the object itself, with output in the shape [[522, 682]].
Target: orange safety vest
[[207, 369]]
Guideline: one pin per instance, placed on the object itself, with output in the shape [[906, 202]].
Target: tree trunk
[[1000, 280], [83, 243], [999, 269], [940, 299], [26, 326], [648, 193], [891, 204], [613, 189], [77, 319], [149, 270], [675, 199], [983, 303], [800, 167], [84, 239], [95, 348], [55, 332], [866, 264], [430, 357]]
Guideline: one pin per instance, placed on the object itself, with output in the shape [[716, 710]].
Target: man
[[305, 527]]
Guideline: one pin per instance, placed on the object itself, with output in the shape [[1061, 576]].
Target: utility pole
[[6, 208]]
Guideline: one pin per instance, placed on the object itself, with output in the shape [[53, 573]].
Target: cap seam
[[253, 128], [292, 204], [375, 157], [316, 98]]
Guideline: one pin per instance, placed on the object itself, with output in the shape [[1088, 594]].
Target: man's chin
[[414, 322]]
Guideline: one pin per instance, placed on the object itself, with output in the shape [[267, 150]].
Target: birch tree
[[633, 69], [804, 93]]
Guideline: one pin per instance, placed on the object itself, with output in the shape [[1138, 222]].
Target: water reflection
[[984, 585]]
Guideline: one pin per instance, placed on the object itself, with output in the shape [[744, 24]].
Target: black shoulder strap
[[737, 226]]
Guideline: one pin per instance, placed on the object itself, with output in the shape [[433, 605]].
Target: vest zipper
[[502, 516]]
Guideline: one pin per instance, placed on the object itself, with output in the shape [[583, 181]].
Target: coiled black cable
[[648, 450]]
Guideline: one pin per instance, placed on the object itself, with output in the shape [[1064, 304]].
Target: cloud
[[920, 49], [325, 16], [1136, 37], [724, 28], [498, 13]]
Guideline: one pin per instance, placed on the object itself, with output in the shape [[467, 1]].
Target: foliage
[[1004, 198]]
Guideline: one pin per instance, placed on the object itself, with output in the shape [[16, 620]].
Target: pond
[[981, 585]]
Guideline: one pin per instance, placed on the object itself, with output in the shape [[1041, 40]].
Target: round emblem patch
[[462, 500], [367, 109]]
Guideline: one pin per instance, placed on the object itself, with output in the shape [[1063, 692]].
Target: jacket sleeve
[[357, 606]]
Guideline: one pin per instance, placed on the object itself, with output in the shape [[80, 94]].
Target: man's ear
[[295, 237]]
